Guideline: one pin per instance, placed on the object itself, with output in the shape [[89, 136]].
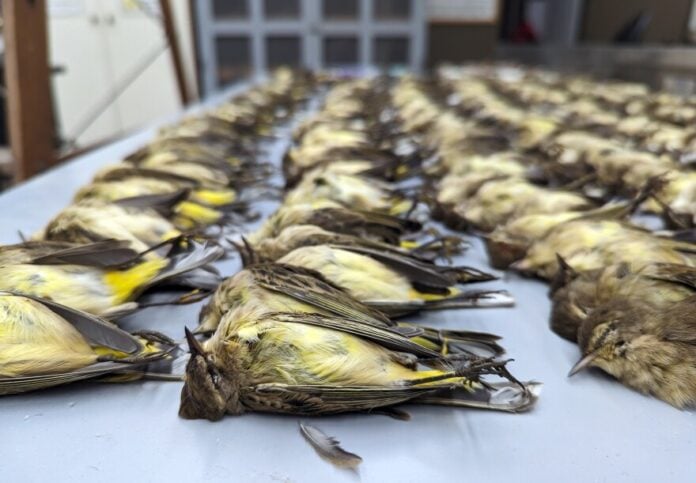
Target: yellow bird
[[593, 244], [335, 218], [44, 344], [96, 221], [394, 285], [311, 364], [296, 236], [284, 288], [354, 191], [102, 278]]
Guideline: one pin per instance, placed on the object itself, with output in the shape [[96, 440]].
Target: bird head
[[206, 392], [602, 339]]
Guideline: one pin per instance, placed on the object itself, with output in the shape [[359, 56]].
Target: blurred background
[[81, 73]]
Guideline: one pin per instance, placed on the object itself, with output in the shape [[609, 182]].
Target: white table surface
[[586, 429]]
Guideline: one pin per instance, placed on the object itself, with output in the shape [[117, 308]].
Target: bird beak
[[583, 363], [195, 347]]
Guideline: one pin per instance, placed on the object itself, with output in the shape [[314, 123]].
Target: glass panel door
[[240, 38]]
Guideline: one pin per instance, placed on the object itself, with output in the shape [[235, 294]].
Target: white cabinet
[[118, 73]]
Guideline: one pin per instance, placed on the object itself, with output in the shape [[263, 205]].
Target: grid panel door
[[241, 38]]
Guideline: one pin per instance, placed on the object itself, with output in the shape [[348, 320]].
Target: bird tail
[[464, 274], [446, 342], [504, 396], [460, 341], [189, 265], [472, 299]]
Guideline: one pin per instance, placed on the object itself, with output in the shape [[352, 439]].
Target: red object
[[524, 34]]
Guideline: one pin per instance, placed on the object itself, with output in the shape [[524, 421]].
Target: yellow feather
[[124, 283], [198, 213], [34, 340], [214, 197]]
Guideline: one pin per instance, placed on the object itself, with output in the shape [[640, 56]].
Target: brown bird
[[575, 294], [652, 351]]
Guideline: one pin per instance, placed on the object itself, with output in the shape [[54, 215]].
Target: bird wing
[[384, 336], [128, 172], [327, 399], [423, 274], [93, 328], [354, 222], [678, 323], [670, 272], [159, 202], [103, 254], [310, 287], [15, 385]]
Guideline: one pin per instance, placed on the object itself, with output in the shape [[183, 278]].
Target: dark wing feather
[[669, 272], [160, 202], [197, 255], [104, 254], [15, 385], [359, 223], [312, 288], [328, 399], [128, 172], [329, 448]]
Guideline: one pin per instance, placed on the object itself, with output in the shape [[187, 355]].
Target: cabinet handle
[[109, 19], [94, 19]]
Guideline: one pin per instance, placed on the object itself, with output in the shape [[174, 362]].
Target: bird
[[97, 221], [312, 364], [509, 242], [44, 344], [499, 200], [591, 244], [338, 219], [296, 236], [351, 190], [396, 285], [103, 278], [652, 351], [575, 294], [285, 288]]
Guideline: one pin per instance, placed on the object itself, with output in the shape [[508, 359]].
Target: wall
[[460, 43], [602, 19]]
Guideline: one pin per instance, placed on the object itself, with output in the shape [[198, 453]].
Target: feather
[[328, 448], [160, 202], [196, 256], [93, 328], [105, 254]]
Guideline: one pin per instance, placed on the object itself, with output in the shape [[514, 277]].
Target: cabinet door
[[144, 84], [79, 47]]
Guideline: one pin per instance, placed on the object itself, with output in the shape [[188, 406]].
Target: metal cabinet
[[240, 38]]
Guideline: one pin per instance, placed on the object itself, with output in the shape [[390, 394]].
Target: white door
[[78, 46], [118, 70], [144, 83]]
